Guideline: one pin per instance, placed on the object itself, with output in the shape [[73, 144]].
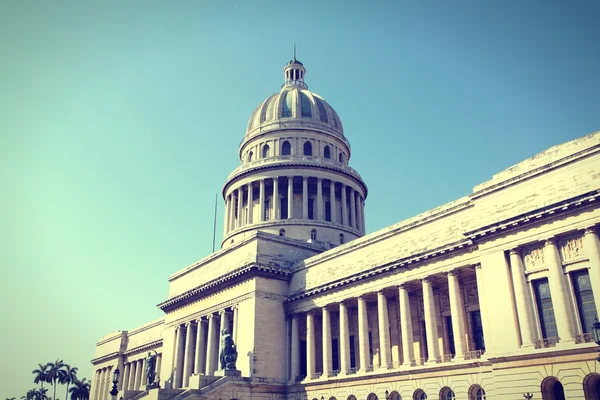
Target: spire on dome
[[294, 73]]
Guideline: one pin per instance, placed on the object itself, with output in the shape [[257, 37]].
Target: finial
[[294, 51]]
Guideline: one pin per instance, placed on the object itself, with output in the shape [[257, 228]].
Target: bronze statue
[[150, 367], [228, 354]]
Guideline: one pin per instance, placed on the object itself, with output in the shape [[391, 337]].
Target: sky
[[120, 121]]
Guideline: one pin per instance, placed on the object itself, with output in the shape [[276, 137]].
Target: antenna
[[294, 51], [215, 224]]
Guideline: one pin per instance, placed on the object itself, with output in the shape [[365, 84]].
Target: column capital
[[380, 292], [210, 316], [426, 280], [201, 320], [477, 266], [402, 286], [590, 230], [514, 251], [221, 312], [452, 272], [551, 241], [190, 323], [290, 177], [319, 179], [305, 178]]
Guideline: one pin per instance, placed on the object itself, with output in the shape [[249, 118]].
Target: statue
[[151, 367], [228, 354]]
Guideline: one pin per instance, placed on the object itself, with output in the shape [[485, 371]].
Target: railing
[[293, 159], [473, 354], [392, 365], [447, 358], [295, 82], [369, 368], [316, 375], [546, 342], [584, 338], [351, 371], [335, 372]]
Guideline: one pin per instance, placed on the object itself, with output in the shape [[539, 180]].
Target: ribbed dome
[[294, 107]]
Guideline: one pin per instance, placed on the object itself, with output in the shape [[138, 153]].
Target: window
[[303, 358], [328, 211], [477, 330], [250, 156], [311, 208], [283, 208], [286, 107], [307, 149], [584, 296], [450, 335], [286, 148], [419, 395], [352, 352], [266, 210], [341, 238], [395, 396], [552, 389], [372, 396], [326, 152], [266, 151], [305, 106], [447, 394], [544, 307], [476, 392], [591, 386], [341, 157], [313, 234], [335, 360], [282, 232]]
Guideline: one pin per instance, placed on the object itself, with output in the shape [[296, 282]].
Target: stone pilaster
[[179, 356], [212, 347], [430, 321], [240, 206], [483, 310], [295, 347], [344, 339], [327, 354], [457, 310], [559, 293], [363, 335], [310, 345], [406, 326], [384, 330], [188, 361], [524, 310], [353, 208]]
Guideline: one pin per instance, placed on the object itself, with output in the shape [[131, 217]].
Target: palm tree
[[55, 371], [80, 390], [69, 376], [40, 394], [31, 394], [40, 375]]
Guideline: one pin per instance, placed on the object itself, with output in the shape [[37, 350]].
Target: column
[[344, 206], [362, 214], [310, 345], [290, 197], [430, 321], [295, 345], [188, 361], [327, 360], [158, 365], [559, 292], [406, 326], [125, 379], [179, 346], [332, 201], [250, 203], [304, 197], [320, 199], [353, 208], [131, 384], [143, 373], [344, 339], [276, 197], [212, 345], [234, 334], [107, 383], [384, 330], [363, 335], [200, 357], [522, 297], [357, 211], [457, 311], [261, 200], [138, 374], [591, 248], [226, 216], [240, 197], [101, 383], [224, 325], [232, 206], [483, 310]]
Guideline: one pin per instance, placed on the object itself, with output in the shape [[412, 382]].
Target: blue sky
[[119, 121]]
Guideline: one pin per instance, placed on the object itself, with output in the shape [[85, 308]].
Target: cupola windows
[[266, 151], [307, 149], [250, 154], [326, 152], [341, 157], [286, 148], [313, 234]]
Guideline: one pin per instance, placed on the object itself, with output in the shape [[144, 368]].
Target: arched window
[[372, 396], [313, 234], [419, 395], [447, 394], [476, 392], [351, 397], [266, 151], [552, 389], [341, 157], [282, 232], [591, 386], [250, 154], [307, 149], [326, 152], [341, 238], [286, 148], [395, 396]]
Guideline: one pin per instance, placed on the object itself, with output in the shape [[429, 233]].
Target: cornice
[[147, 346], [244, 272], [404, 264], [534, 216], [106, 357]]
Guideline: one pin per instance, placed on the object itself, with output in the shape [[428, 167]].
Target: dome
[[294, 107]]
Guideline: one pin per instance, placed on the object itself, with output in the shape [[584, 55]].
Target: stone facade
[[490, 296]]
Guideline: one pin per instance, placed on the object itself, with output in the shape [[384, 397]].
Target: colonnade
[[197, 345], [402, 356], [134, 373], [346, 203], [103, 383], [558, 283]]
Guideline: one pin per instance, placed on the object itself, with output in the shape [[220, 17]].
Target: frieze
[[571, 248], [147, 346], [533, 257], [471, 294], [210, 310]]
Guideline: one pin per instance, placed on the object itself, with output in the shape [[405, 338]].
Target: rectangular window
[[370, 348], [545, 309], [352, 353], [303, 359], [283, 208], [477, 330], [582, 288], [335, 355], [311, 208], [450, 335], [327, 211], [425, 352]]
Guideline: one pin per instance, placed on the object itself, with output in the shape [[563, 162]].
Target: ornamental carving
[[533, 258], [571, 248], [445, 301], [471, 294]]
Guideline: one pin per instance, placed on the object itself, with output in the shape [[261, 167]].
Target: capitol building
[[491, 296]]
